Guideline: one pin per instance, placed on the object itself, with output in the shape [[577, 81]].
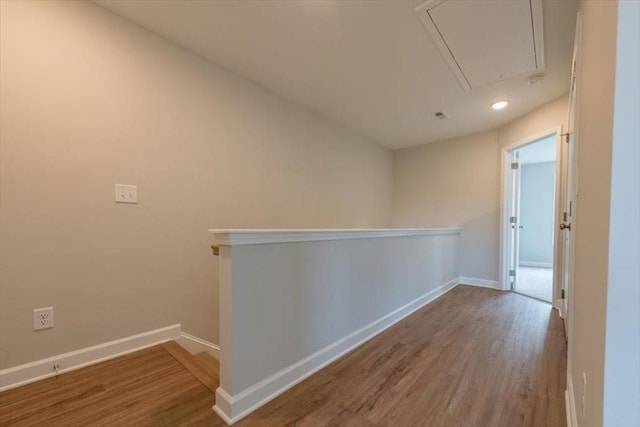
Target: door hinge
[[562, 293], [512, 273], [514, 165], [513, 219], [566, 137]]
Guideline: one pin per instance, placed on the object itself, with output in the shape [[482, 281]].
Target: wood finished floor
[[149, 387], [474, 357]]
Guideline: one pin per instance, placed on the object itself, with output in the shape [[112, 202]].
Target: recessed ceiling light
[[499, 105]]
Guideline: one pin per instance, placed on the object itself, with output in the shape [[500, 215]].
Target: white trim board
[[196, 345], [42, 369], [570, 404], [535, 264], [256, 237], [505, 197], [558, 305], [266, 390], [482, 283]]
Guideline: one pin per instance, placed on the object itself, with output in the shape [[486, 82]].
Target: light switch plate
[[126, 193]]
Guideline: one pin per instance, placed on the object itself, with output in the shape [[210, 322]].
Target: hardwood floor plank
[[291, 406], [208, 362], [474, 357], [149, 387], [36, 402], [42, 390], [334, 416], [208, 377]]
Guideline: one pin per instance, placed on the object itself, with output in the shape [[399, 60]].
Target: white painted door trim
[[568, 302], [505, 207]]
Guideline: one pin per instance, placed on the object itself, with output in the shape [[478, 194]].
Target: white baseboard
[[42, 369], [482, 283], [535, 264], [196, 345], [570, 403], [233, 408], [224, 406], [559, 306]]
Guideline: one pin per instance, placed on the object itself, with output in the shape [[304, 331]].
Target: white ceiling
[[369, 65]]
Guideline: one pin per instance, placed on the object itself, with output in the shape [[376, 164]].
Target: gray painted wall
[[287, 308], [622, 351], [537, 181], [90, 100]]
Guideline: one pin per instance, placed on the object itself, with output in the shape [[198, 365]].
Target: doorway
[[530, 211]]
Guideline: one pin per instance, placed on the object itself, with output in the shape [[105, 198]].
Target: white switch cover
[[126, 193]]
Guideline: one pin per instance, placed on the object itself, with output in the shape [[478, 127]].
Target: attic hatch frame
[[444, 49]]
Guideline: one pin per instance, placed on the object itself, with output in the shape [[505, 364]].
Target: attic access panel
[[486, 41]]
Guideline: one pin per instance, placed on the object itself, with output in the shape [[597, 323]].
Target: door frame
[[505, 210]]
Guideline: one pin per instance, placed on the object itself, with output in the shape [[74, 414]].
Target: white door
[[515, 218], [571, 193]]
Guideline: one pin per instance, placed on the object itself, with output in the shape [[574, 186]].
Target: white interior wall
[[292, 301], [622, 351], [81, 87], [453, 183], [537, 213], [90, 100], [456, 183], [605, 294], [595, 110]]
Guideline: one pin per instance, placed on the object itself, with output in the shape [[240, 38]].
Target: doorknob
[[564, 225]]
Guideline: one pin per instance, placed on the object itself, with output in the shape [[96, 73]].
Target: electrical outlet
[[126, 193], [42, 318]]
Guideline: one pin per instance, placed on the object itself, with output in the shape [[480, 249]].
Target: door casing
[[506, 201]]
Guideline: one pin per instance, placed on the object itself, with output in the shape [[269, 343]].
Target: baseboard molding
[[233, 408], [570, 403], [558, 306], [482, 283], [535, 264], [42, 369], [196, 345]]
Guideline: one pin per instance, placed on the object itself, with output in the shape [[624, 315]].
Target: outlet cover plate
[[42, 318], [126, 193]]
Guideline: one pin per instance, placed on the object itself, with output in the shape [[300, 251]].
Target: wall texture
[[537, 213], [90, 100], [622, 351], [596, 82], [453, 183], [456, 183], [541, 120], [291, 307]]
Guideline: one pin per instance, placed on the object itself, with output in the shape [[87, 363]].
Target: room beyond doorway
[[536, 282], [531, 215], [536, 224]]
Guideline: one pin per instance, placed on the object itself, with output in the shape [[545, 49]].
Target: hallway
[[474, 357]]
